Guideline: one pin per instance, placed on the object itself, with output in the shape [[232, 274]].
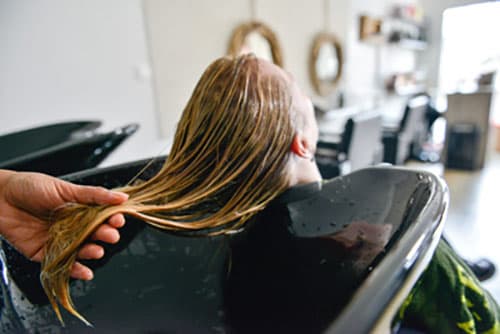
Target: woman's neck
[[302, 171]]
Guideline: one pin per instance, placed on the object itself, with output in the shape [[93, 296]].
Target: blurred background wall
[[137, 61]]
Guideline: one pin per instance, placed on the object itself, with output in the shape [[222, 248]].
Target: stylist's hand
[[27, 201]]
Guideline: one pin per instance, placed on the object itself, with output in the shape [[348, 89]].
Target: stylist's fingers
[[106, 233], [90, 195], [79, 271], [91, 252], [117, 220]]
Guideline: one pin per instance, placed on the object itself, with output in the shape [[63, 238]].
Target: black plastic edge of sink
[[409, 257]]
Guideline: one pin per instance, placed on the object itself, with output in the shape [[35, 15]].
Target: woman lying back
[[246, 135]]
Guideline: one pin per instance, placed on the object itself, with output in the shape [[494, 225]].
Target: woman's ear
[[300, 147]]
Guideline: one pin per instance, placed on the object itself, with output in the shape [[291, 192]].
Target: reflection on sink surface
[[297, 268]]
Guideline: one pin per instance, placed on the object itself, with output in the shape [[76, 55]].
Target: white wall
[[187, 35], [68, 59]]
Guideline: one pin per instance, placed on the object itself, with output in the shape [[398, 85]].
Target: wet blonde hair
[[228, 161]]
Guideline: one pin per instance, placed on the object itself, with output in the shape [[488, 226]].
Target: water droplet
[[211, 294], [218, 329]]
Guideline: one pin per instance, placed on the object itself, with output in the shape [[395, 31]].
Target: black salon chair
[[330, 156], [405, 140], [60, 149], [360, 146], [156, 282]]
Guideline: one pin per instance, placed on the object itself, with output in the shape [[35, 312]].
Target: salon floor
[[473, 224]]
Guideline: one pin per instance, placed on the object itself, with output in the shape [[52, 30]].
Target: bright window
[[470, 47]]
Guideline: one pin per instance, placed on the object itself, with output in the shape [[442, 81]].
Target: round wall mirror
[[257, 38], [325, 63]]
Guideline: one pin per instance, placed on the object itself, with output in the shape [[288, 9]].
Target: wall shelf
[[410, 44], [392, 31]]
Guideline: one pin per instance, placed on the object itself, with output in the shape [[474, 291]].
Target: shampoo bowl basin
[[154, 281], [60, 149]]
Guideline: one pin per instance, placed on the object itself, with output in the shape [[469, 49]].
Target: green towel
[[448, 298]]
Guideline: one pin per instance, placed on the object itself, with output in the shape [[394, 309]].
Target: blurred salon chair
[[360, 146], [61, 148], [154, 281], [405, 140]]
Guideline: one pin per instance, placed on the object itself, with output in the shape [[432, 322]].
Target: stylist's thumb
[[91, 195]]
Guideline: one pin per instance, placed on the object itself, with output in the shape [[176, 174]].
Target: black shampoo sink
[[20, 143], [263, 280], [60, 149]]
